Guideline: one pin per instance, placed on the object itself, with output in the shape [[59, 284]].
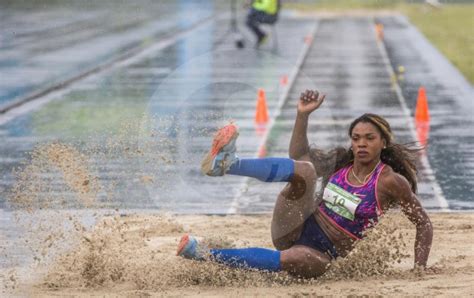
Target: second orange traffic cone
[[422, 132], [379, 30], [422, 113], [262, 151], [261, 113]]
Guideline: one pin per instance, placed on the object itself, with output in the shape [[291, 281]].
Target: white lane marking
[[438, 192], [35, 104], [281, 101]]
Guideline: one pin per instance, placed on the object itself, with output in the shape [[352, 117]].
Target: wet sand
[[134, 255]]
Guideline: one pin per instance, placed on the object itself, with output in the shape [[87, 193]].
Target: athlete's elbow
[[294, 155]]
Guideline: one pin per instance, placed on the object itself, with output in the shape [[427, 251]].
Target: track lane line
[[429, 174], [39, 98]]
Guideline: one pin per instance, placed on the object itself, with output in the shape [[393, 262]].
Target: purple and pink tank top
[[352, 208]]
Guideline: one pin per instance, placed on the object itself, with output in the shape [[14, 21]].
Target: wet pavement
[[41, 47], [146, 119], [451, 106], [187, 86]]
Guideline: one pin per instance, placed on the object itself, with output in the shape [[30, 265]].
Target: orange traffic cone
[[422, 114], [260, 129], [261, 114], [284, 80], [379, 30], [262, 151], [422, 132]]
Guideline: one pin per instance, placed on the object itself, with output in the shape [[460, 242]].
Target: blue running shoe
[[222, 154], [188, 248]]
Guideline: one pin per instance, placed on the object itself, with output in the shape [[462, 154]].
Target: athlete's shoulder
[[393, 183]]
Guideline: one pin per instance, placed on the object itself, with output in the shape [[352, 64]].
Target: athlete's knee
[[306, 170], [303, 181], [304, 178]]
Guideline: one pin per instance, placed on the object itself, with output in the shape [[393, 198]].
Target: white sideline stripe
[[438, 192], [281, 101], [42, 100]]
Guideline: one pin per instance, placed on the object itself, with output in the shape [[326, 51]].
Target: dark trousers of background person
[[256, 17]]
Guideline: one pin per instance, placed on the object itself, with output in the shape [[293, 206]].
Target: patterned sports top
[[352, 208]]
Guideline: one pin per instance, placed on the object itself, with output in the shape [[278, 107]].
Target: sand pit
[[93, 251], [135, 255]]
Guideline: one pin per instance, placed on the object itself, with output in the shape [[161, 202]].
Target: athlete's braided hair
[[401, 157]]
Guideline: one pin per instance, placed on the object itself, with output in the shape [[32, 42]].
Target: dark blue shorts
[[312, 236]]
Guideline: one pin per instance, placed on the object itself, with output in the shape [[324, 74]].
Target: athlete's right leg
[[294, 205]]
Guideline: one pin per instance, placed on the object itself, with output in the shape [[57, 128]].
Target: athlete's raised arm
[[299, 146]]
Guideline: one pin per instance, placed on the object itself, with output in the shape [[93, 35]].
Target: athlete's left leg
[[299, 260]]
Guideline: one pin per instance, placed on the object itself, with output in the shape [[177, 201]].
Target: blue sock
[[272, 169], [254, 257]]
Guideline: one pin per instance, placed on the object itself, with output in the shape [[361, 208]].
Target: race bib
[[340, 201]]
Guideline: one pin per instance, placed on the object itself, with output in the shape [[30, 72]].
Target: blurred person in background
[[262, 12]]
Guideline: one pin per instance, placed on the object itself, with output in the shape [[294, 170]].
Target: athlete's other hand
[[309, 101]]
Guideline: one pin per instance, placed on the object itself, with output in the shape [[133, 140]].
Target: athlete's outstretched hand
[[309, 101]]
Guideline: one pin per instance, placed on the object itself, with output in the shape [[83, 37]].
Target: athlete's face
[[367, 142]]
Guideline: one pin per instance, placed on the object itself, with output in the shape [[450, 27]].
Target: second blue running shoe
[[188, 248]]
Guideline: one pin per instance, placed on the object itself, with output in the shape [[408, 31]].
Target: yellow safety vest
[[267, 6]]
